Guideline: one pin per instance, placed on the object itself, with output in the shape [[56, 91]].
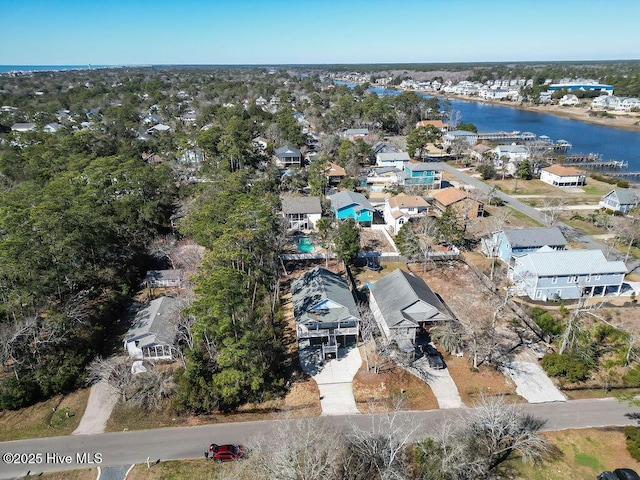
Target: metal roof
[[626, 196], [287, 151], [570, 262]]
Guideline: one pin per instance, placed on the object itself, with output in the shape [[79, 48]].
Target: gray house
[[556, 274], [324, 309], [288, 156], [621, 200], [402, 304], [152, 331], [519, 241], [301, 213], [164, 278]]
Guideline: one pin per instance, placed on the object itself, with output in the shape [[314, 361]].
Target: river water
[[612, 143]]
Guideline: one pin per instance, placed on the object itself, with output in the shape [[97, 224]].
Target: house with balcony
[[506, 243], [621, 200], [171, 278], [392, 159], [301, 213], [459, 200], [402, 304], [459, 136], [400, 208], [348, 204], [426, 174], [325, 311], [561, 176], [335, 173], [153, 331], [288, 156], [549, 274]]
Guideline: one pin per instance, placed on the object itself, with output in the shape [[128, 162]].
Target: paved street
[[190, 442], [569, 232]]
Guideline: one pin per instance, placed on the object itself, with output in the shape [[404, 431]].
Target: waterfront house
[[400, 208], [439, 124], [631, 104], [459, 135], [153, 331], [621, 200], [288, 156], [505, 243], [392, 159], [324, 310], [164, 278], [427, 174], [459, 200], [549, 274], [561, 176], [569, 100], [301, 213], [510, 153], [402, 304], [348, 204]]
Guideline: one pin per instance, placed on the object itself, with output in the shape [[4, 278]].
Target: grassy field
[[581, 454], [84, 474], [59, 415], [591, 192]]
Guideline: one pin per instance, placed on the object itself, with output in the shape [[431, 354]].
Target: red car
[[226, 453]]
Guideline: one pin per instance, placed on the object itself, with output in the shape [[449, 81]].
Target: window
[[554, 280], [588, 279], [596, 277], [572, 279]]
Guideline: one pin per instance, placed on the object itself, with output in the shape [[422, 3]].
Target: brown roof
[[404, 200], [562, 171], [435, 123], [398, 213], [481, 148], [336, 170], [449, 196]]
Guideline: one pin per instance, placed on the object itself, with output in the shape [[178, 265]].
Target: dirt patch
[[363, 275], [374, 241], [377, 392], [485, 381]]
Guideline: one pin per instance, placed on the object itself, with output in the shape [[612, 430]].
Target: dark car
[[373, 265], [226, 453], [608, 476], [626, 474], [433, 357]]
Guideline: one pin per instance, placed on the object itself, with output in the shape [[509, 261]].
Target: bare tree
[[551, 208], [368, 328], [628, 230], [187, 255], [116, 371], [163, 247]]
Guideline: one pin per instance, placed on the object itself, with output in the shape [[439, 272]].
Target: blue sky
[[125, 32]]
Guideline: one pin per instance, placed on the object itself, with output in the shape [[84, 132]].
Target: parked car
[[433, 357], [619, 474], [226, 453], [373, 265]]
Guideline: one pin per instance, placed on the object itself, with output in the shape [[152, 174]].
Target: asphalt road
[[126, 448], [569, 232]]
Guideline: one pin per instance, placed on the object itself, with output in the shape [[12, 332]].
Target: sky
[[263, 32]]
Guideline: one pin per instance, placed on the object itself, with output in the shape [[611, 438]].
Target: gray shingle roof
[[287, 151], [571, 262], [153, 322], [291, 204], [535, 237], [311, 291], [393, 156], [402, 296], [345, 198], [424, 167]]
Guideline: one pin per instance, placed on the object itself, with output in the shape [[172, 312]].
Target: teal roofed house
[[354, 205], [427, 174]]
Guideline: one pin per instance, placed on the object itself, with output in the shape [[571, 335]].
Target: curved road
[[569, 232], [126, 448]]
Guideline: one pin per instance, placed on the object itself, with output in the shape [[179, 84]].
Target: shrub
[[570, 367], [632, 377], [546, 322], [632, 435]]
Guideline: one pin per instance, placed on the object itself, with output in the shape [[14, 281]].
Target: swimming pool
[[305, 245]]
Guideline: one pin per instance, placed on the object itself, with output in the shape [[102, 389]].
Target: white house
[[511, 153], [402, 207], [569, 100], [392, 159], [630, 104], [152, 331], [560, 176], [449, 138]]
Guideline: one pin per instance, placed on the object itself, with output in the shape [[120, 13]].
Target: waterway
[[612, 143]]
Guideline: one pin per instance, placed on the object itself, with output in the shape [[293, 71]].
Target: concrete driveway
[[532, 383], [441, 383], [334, 378]]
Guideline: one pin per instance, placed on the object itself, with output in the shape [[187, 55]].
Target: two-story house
[[621, 200], [566, 274], [288, 156], [505, 243], [392, 159], [325, 311], [301, 213], [348, 204], [561, 176], [425, 174], [463, 203], [400, 208]]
